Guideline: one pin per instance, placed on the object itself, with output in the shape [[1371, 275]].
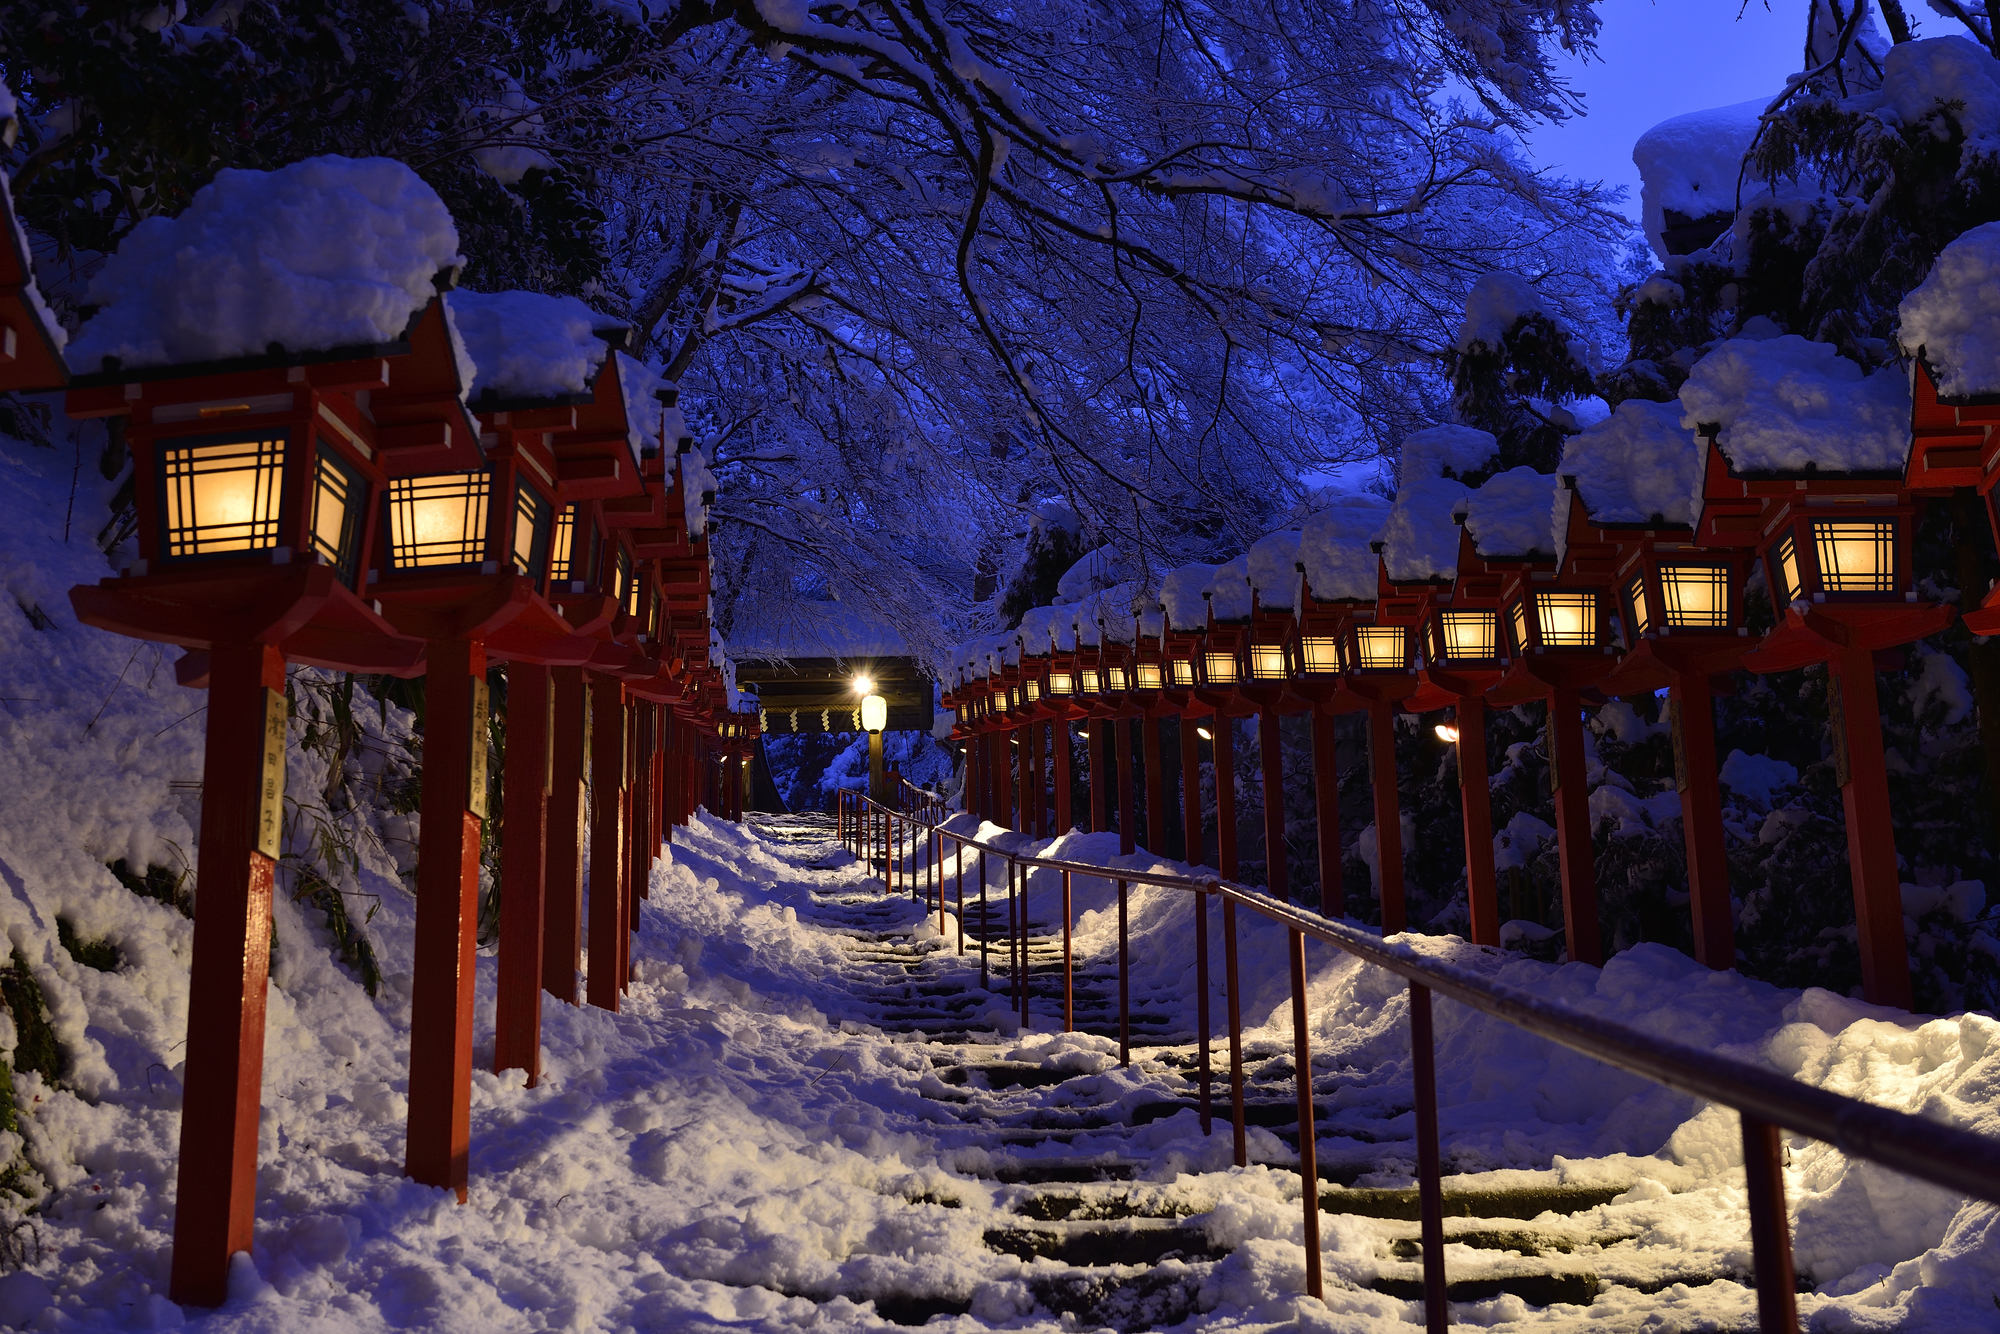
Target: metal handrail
[[1958, 1160]]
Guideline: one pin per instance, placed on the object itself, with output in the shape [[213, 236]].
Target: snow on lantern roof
[[1229, 590], [817, 630], [1037, 630], [1274, 571], [1784, 405], [1083, 624], [1334, 546], [1152, 622], [1093, 572], [1181, 596], [1420, 537], [326, 253], [529, 345], [1427, 453], [1115, 612], [1513, 514], [1639, 465], [1690, 164], [1953, 317]]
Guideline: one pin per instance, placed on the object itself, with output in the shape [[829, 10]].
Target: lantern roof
[[532, 348], [1638, 466], [1229, 592], [1952, 320], [327, 253], [1420, 537], [1334, 548], [1181, 596], [1274, 571], [1788, 406], [1513, 514]]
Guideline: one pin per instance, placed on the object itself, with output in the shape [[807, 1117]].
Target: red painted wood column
[[1003, 780], [1271, 748], [1098, 782], [1475, 797], [1692, 719], [1572, 794], [517, 1017], [447, 922], [1871, 838], [1059, 748], [1388, 816], [1225, 797], [562, 916], [1326, 804], [1024, 803], [1038, 786], [1128, 833], [1192, 850], [1156, 803], [607, 841], [643, 848], [242, 812]]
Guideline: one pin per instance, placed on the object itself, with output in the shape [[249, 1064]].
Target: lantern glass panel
[[1518, 615], [562, 544], [222, 495], [438, 520], [1696, 596], [1089, 683], [1635, 601], [1149, 676], [1321, 654], [1010, 697], [1380, 648], [1786, 554], [1856, 555], [1221, 668], [1469, 634], [628, 584], [339, 494], [1566, 618], [1114, 678], [531, 530], [1033, 689], [1061, 683], [1183, 671], [1267, 662]]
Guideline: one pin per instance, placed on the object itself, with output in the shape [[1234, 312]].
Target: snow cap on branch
[[1420, 538], [1037, 630], [1638, 465], [1513, 514], [1229, 590], [529, 344], [326, 253], [1181, 596], [1334, 548], [1497, 301], [1781, 405], [1690, 164], [1953, 318], [1274, 571], [1430, 452], [1952, 76]]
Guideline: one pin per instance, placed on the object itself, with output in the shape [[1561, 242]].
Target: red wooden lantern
[[31, 340], [1813, 479], [1183, 632]]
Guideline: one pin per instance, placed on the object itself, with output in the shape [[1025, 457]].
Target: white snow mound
[[1785, 403], [1513, 514], [1690, 164], [1637, 463], [529, 344], [1953, 318]]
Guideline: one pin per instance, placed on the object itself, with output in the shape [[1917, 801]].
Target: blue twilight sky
[[1661, 58]]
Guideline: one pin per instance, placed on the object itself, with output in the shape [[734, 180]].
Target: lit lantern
[[1680, 606], [1822, 498], [1183, 627]]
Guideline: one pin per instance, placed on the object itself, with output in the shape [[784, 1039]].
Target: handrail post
[[1430, 1165], [1201, 996], [1308, 1128], [985, 927], [1235, 998], [1069, 994], [1770, 1235], [1124, 983], [1027, 978], [960, 868], [1013, 972]]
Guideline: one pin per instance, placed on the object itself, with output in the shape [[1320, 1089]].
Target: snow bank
[[1427, 453], [1953, 318], [1334, 548], [326, 253], [1513, 514], [1182, 598], [1274, 571], [1420, 537], [1638, 465], [1786, 404], [530, 345], [1690, 164]]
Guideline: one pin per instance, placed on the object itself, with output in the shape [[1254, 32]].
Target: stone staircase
[[1107, 1247]]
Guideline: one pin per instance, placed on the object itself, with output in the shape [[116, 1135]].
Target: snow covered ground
[[754, 1145]]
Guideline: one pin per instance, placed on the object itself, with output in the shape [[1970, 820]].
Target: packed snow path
[[1070, 1149]]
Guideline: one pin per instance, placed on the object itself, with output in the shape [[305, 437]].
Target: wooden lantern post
[[1183, 628]]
